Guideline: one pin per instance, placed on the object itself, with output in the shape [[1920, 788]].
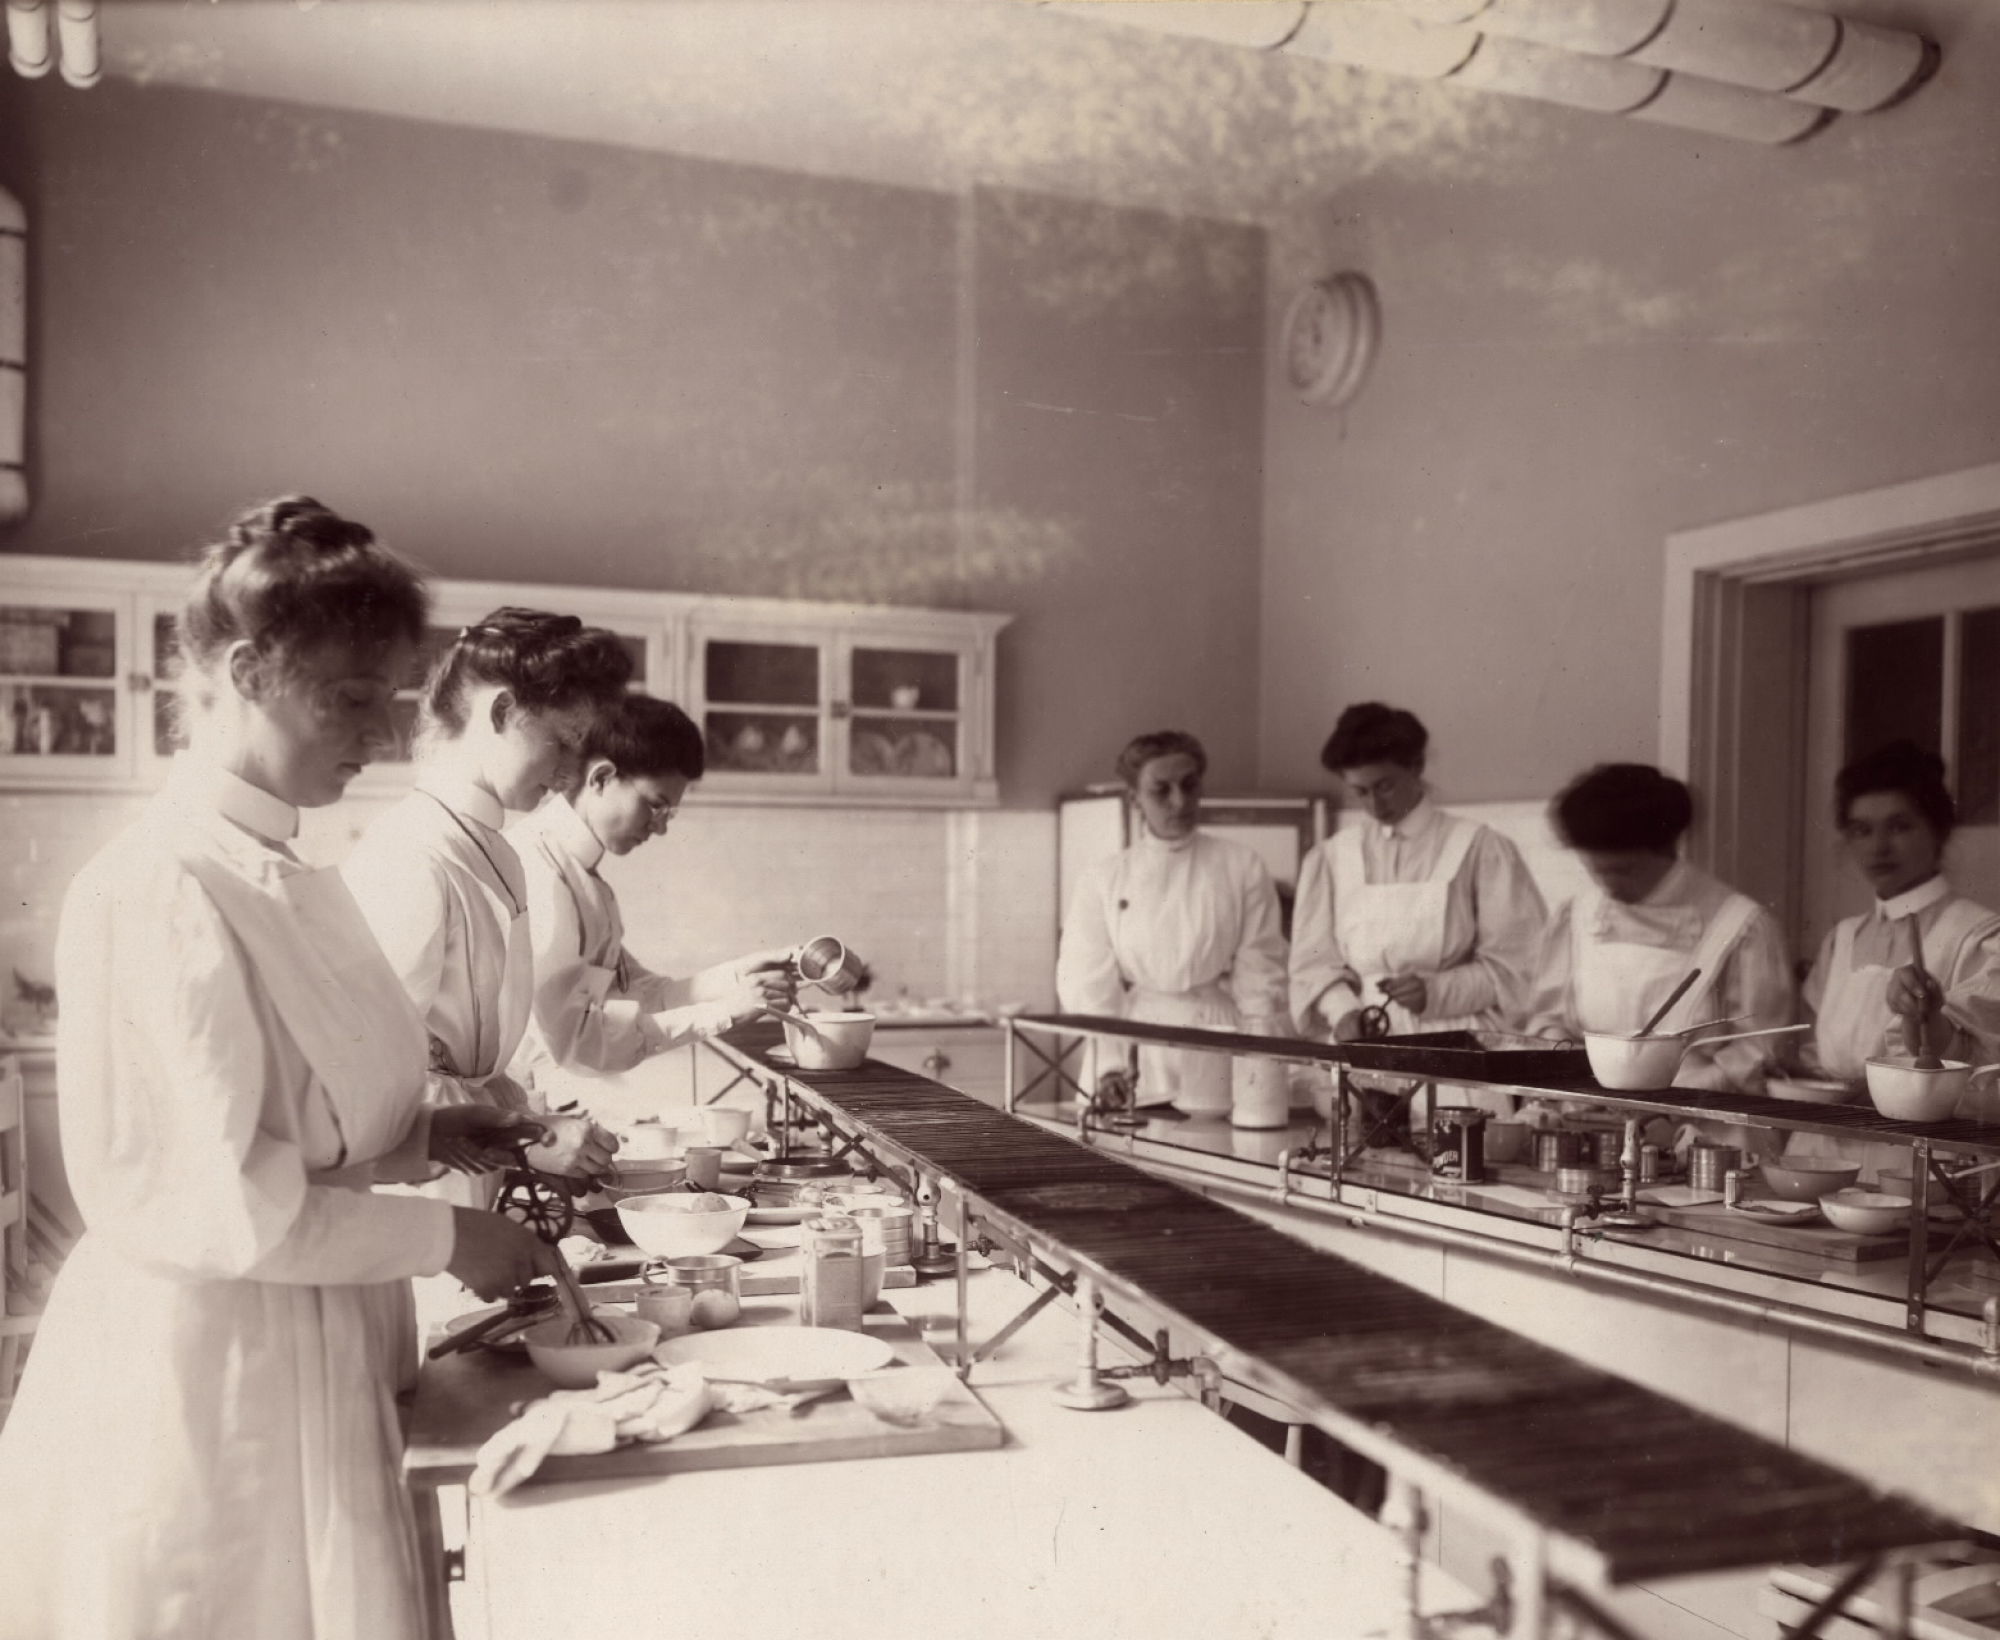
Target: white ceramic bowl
[[1808, 1179], [902, 1396], [576, 1366], [836, 1042], [1635, 1064], [660, 1225], [1907, 1094], [1867, 1212], [722, 1125]]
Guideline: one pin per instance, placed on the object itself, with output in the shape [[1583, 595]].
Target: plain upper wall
[[527, 359], [1613, 332]]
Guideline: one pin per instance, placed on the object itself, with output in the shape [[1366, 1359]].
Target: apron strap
[[1464, 834]]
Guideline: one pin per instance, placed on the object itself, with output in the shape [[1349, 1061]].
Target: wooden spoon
[[1923, 1059], [1666, 1007]]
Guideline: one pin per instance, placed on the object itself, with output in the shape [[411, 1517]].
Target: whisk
[[584, 1328]]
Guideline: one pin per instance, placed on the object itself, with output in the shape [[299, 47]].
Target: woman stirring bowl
[[1180, 928], [503, 712], [1868, 998], [206, 1438]]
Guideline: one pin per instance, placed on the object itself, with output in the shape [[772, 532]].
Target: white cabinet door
[[763, 694]]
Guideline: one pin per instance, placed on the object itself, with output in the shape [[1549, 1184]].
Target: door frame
[[1733, 646]]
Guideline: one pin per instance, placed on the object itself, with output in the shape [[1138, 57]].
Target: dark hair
[[1370, 732], [549, 663], [1904, 767], [290, 576], [643, 738], [1619, 806], [1142, 749]]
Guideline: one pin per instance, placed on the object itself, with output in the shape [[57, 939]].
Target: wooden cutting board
[[1818, 1237], [464, 1398]]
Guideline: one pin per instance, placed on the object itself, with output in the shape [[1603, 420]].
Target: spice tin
[[1458, 1144], [1649, 1163], [1732, 1187]]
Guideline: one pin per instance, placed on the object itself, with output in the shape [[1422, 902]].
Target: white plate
[[779, 1215], [1779, 1212], [778, 1352]]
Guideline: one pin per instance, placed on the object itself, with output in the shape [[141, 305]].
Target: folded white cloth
[[648, 1403]]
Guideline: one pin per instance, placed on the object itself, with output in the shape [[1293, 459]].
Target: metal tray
[[1479, 1056]]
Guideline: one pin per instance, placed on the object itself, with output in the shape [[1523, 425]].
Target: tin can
[[1732, 1187], [1708, 1163], [1458, 1144], [1557, 1148], [1649, 1163], [1610, 1145], [896, 1222], [832, 1277]]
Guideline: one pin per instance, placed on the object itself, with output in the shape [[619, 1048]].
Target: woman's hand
[[573, 1146], [1407, 989], [1918, 1001], [462, 1137], [760, 983], [494, 1256]]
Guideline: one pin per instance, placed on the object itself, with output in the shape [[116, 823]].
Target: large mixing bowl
[[1867, 1212], [664, 1225], [1633, 1064], [1808, 1179], [1902, 1091], [830, 1041]]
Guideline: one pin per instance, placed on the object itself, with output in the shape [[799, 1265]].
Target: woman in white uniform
[[1612, 955], [1180, 928], [1421, 913], [206, 1439], [503, 711], [1895, 816], [1429, 915], [597, 1010]]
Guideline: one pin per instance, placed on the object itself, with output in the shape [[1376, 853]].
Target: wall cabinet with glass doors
[[797, 701]]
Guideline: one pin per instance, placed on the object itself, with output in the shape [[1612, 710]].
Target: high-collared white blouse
[[206, 1440], [596, 1008]]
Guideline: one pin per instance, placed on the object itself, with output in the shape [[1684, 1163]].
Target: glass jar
[[833, 1276]]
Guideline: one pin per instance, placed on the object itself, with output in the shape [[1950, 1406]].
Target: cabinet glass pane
[[1978, 761], [762, 743], [58, 720], [37, 642], [166, 646], [905, 680], [914, 748], [761, 674], [1895, 685], [167, 736]]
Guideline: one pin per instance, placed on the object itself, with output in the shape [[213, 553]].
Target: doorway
[[1911, 655], [1746, 719]]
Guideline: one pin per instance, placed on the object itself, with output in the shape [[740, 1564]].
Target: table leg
[[433, 1579]]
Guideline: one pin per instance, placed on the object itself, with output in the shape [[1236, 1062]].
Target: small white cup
[[671, 1309], [722, 1126]]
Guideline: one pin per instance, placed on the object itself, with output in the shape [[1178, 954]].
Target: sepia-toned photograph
[[1000, 819]]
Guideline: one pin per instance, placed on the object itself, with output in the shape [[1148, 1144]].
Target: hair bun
[[297, 521]]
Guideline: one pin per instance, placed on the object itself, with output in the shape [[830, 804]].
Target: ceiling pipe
[[1813, 56], [29, 48]]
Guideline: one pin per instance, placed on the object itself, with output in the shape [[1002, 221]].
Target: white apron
[[1190, 1080], [231, 1463], [1616, 985], [1399, 928]]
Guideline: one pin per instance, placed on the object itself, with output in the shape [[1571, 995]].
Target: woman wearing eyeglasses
[[596, 1010], [503, 712]]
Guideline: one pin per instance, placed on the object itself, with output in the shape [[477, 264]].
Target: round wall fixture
[[1330, 335]]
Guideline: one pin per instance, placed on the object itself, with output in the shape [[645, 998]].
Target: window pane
[[762, 674], [906, 680], [914, 748], [1978, 761], [1895, 685]]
